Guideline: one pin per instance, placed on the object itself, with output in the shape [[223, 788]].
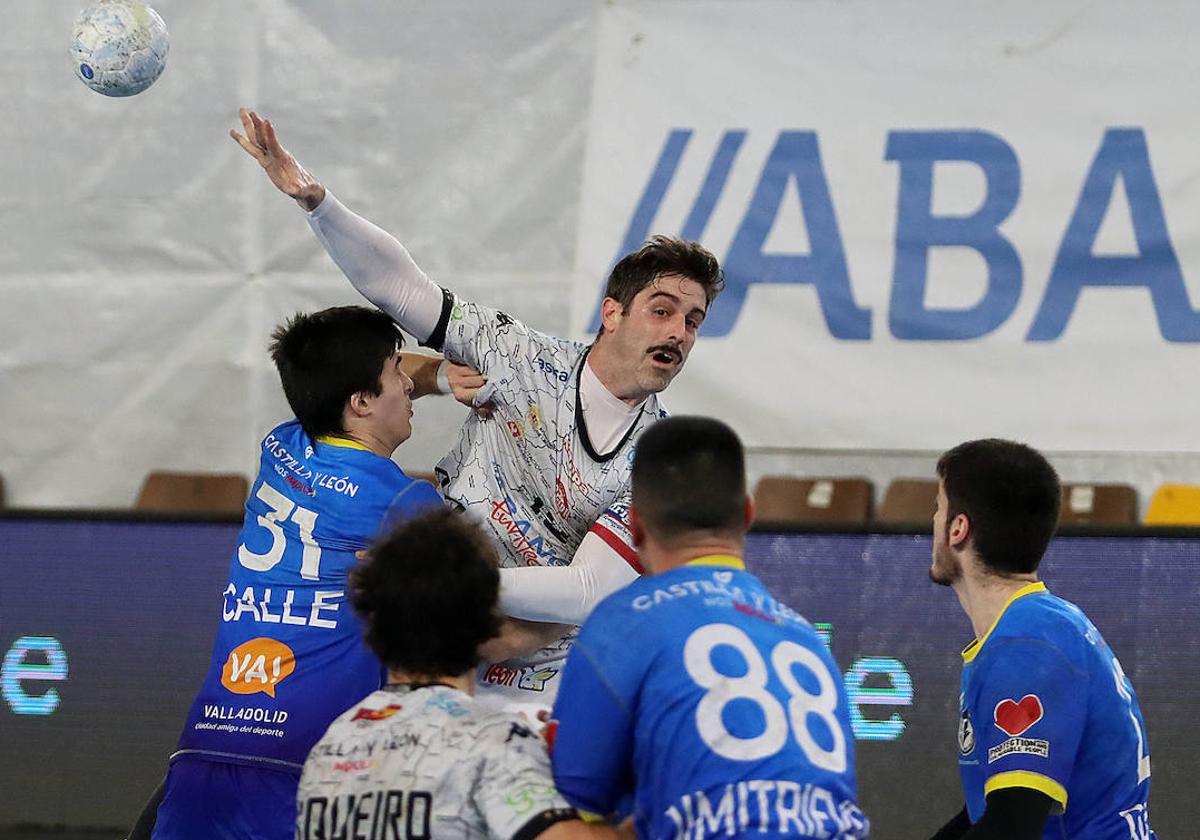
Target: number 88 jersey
[[715, 707]]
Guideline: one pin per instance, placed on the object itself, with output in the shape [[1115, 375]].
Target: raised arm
[[374, 261], [566, 593]]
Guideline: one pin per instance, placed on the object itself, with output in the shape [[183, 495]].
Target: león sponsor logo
[[257, 665]]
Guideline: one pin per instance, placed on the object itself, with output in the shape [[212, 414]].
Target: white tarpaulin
[[144, 258], [939, 220]]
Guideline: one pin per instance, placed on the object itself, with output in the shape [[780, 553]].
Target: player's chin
[[657, 377]]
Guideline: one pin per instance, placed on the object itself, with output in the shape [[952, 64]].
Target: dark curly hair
[[427, 594]]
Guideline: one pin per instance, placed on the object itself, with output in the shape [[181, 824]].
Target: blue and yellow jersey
[[1045, 705], [713, 707], [289, 655]]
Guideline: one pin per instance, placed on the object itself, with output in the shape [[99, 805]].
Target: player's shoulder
[[497, 726], [499, 324], [1043, 619], [288, 434]]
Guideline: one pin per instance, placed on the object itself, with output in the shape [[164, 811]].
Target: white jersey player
[[421, 758], [548, 472], [428, 761]]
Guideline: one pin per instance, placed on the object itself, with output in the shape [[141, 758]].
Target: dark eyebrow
[[696, 310]]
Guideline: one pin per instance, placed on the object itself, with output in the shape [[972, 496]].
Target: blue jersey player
[[692, 695], [1051, 740], [289, 656]]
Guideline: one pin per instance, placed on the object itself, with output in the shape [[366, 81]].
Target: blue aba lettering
[[1123, 155]]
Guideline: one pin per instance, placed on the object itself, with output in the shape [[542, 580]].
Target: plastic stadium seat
[[193, 492], [836, 500], [1174, 504], [1098, 504], [909, 501]]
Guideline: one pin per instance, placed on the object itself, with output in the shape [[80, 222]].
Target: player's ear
[[636, 532], [960, 531], [749, 511], [360, 404], [611, 312]]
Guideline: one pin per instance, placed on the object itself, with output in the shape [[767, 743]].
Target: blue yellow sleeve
[[1033, 703]]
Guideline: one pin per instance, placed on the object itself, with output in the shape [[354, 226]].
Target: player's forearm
[[958, 825], [378, 266], [581, 830], [565, 593], [423, 371], [520, 638]]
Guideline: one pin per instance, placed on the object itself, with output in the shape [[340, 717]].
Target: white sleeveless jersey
[[410, 764], [529, 473]]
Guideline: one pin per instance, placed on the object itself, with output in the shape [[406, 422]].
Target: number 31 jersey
[[289, 656], [716, 707]]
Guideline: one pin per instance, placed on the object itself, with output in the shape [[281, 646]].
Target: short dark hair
[[1011, 496], [660, 256], [689, 474], [325, 357], [428, 595]]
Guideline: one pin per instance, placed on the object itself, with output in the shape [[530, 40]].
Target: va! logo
[[257, 665]]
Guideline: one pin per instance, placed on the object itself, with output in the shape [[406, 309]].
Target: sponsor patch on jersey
[[1015, 717], [529, 679], [257, 665], [1020, 746], [376, 714], [966, 734]]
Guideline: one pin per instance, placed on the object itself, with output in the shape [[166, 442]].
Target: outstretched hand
[[281, 166]]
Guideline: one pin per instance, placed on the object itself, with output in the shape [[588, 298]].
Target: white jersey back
[[411, 764], [529, 472]]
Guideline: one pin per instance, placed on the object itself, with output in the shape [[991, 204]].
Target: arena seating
[[176, 492], [909, 501], [1098, 504], [1174, 504], [784, 499]]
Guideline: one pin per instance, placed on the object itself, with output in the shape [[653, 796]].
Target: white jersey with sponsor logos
[[408, 763], [529, 472]]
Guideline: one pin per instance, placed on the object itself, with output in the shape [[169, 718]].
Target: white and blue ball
[[119, 46]]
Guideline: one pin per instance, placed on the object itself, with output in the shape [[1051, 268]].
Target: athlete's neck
[[464, 682], [983, 595], [658, 557], [365, 438]]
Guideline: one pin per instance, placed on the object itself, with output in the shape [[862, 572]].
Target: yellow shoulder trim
[[334, 440], [589, 817], [972, 650], [1033, 781], [718, 560]]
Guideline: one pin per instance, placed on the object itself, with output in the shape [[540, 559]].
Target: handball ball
[[119, 46]]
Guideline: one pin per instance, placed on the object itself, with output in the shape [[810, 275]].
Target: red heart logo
[[1015, 718]]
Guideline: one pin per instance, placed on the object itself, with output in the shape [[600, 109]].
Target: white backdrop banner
[[938, 221]]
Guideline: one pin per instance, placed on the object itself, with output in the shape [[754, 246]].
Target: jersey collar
[[972, 650], [334, 440], [731, 560]]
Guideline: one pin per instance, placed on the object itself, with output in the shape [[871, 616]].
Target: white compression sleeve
[[565, 594], [378, 266]]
